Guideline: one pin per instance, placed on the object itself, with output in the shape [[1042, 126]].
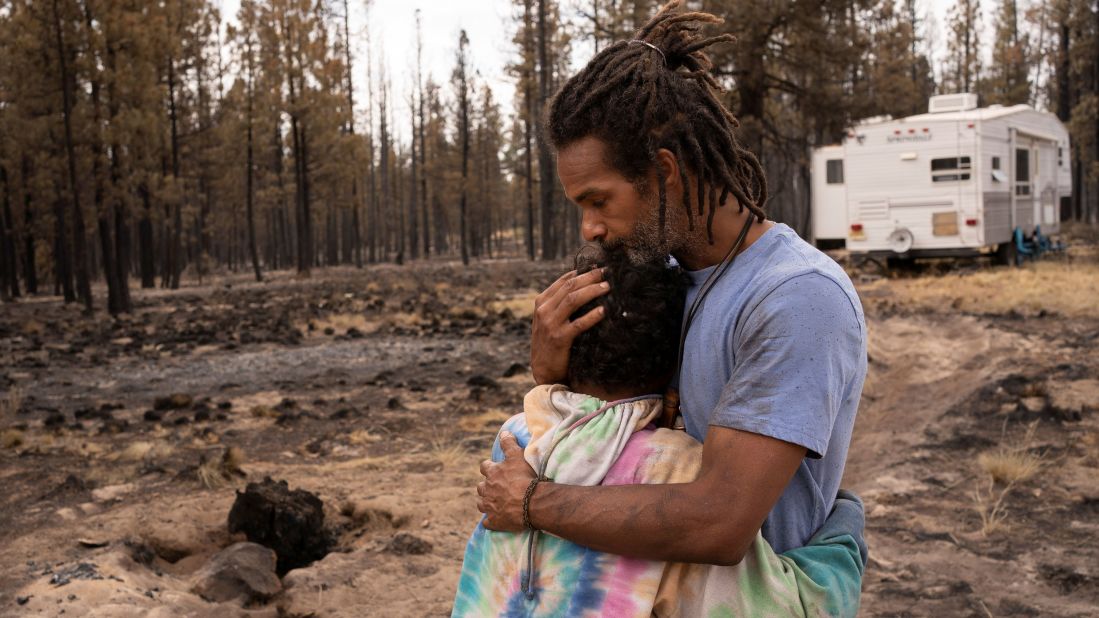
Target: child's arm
[[835, 558]]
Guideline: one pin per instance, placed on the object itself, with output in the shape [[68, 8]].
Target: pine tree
[[964, 69], [461, 86], [1007, 80]]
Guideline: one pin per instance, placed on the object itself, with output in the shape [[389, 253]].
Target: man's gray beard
[[648, 243]]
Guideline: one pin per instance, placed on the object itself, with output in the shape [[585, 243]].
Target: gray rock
[[243, 571], [404, 543]]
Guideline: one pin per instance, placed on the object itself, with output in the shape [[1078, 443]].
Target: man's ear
[[668, 166]]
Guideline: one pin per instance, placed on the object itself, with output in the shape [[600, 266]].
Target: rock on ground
[[242, 571]]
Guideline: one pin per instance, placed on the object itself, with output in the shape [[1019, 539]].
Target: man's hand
[[500, 495], [551, 331]]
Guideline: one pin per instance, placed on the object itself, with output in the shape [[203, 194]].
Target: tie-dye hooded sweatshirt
[[579, 440]]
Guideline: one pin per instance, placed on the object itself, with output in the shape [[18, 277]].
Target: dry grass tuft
[[448, 454], [521, 306], [262, 411], [485, 422], [10, 404], [362, 436], [1004, 469], [359, 463], [216, 472], [136, 451], [340, 323], [143, 451], [11, 438], [1007, 466]]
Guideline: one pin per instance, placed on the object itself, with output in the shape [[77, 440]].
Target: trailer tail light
[[856, 232], [856, 227], [911, 131], [971, 222], [970, 125], [896, 132]]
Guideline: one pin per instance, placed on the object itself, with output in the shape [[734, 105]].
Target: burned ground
[[380, 390]]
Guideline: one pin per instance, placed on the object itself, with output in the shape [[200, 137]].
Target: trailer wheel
[[1007, 254]]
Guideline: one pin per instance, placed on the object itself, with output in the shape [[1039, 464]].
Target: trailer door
[[1023, 181], [829, 196], [1045, 183]]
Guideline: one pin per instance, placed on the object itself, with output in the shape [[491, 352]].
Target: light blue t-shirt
[[778, 348]]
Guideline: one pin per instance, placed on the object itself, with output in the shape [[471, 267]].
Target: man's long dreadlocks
[[656, 92]]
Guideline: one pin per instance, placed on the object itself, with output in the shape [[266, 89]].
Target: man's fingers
[[481, 489], [510, 445], [586, 321], [485, 466], [580, 297], [552, 289], [561, 295]]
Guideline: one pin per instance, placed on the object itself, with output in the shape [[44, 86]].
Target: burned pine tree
[[461, 85], [68, 85]]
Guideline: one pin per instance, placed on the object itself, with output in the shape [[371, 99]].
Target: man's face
[[615, 213]]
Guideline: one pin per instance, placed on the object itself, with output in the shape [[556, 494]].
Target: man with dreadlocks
[[773, 355], [599, 431]]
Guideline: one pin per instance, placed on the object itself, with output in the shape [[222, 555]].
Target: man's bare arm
[[712, 520]]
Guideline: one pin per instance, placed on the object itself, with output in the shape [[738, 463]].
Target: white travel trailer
[[955, 181]]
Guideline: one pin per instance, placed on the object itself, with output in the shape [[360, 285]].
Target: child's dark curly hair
[[637, 341]]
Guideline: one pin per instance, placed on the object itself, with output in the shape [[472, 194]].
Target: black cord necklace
[[671, 398]]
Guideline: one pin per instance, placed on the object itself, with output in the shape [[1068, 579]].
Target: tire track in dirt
[[914, 460]]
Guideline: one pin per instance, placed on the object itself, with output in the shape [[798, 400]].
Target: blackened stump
[[289, 522]]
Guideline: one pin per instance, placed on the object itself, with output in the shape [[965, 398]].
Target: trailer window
[[1022, 171], [834, 171], [997, 174], [950, 168]]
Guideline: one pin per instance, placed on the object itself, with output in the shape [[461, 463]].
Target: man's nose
[[592, 227]]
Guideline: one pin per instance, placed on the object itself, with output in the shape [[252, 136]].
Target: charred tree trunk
[[9, 278], [426, 229], [173, 266], [400, 206], [103, 209], [285, 240], [387, 194], [331, 241], [528, 122], [413, 199], [116, 202], [463, 120], [83, 284], [305, 242], [145, 239], [250, 172], [62, 271], [545, 156], [355, 238], [305, 233], [30, 266]]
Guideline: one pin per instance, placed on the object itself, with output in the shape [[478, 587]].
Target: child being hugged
[[601, 430]]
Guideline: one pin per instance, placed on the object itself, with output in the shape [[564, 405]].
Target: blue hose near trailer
[[1035, 246]]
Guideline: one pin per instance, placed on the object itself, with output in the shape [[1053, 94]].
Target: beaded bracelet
[[526, 499]]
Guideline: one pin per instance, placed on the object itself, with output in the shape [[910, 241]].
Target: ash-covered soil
[[379, 390]]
